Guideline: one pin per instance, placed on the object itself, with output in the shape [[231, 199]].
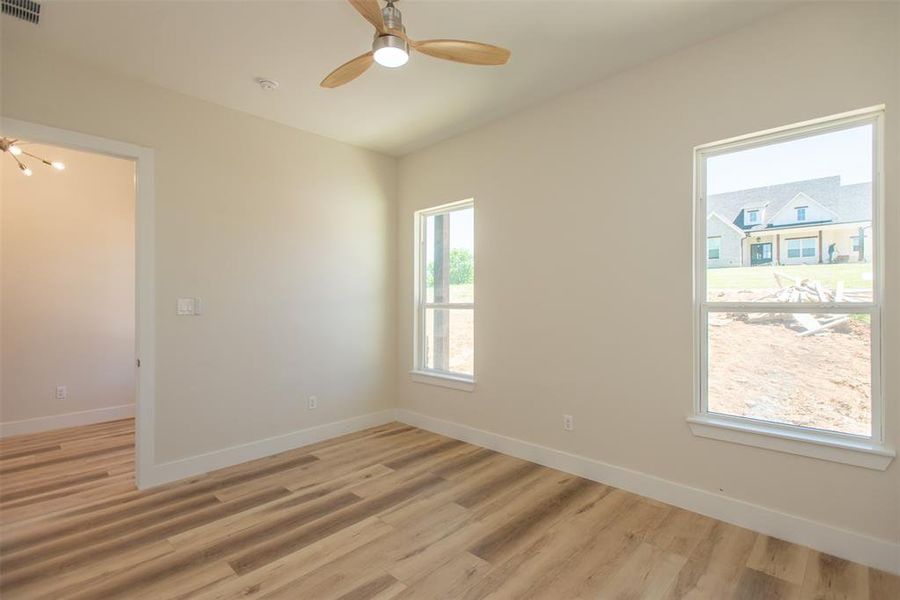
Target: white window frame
[[753, 216], [866, 451], [420, 373], [798, 209]]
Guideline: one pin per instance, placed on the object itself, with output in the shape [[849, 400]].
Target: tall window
[[445, 291], [789, 347]]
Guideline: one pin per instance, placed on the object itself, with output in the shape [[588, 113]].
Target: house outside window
[[753, 216], [789, 359], [804, 248], [445, 292], [713, 246]]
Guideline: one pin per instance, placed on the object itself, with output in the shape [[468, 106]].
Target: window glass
[[450, 257], [780, 247], [810, 370], [449, 340]]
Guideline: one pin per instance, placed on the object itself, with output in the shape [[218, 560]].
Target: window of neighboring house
[[753, 216], [445, 291], [713, 245], [792, 354], [855, 241], [802, 247], [801, 213]]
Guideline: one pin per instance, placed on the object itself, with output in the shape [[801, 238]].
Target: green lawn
[[760, 278]]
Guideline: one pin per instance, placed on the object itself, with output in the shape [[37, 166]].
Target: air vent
[[27, 10]]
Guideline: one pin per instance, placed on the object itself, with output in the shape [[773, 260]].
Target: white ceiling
[[215, 49]]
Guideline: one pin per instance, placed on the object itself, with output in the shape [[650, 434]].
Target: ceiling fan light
[[58, 165], [25, 170], [15, 150], [390, 51]]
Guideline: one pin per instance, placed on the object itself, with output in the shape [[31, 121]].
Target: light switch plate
[[185, 306]]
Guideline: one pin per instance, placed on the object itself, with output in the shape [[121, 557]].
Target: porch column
[[820, 246], [861, 232], [441, 322], [777, 260]]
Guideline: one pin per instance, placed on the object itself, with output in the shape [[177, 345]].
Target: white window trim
[[811, 443], [419, 373], [751, 214], [871, 452], [446, 380]]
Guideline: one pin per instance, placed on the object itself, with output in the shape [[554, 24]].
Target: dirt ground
[[766, 371], [462, 347]]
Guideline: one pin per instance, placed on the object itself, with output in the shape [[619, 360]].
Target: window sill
[[815, 445], [443, 380]]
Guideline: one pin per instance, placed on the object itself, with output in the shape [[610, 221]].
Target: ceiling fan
[[391, 45]]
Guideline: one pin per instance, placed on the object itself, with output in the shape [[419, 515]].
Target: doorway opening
[[761, 254], [77, 310]]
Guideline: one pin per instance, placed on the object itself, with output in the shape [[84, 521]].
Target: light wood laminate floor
[[390, 512]]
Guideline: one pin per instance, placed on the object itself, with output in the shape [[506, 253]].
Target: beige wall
[[67, 284], [287, 237], [598, 322]]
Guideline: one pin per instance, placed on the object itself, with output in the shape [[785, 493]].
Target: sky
[[847, 153]]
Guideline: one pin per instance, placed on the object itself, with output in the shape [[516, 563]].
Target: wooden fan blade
[[348, 71], [470, 53], [370, 11]]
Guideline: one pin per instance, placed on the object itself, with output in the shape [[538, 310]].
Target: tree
[[462, 268]]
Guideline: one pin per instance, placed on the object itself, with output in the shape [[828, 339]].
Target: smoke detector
[[266, 84]]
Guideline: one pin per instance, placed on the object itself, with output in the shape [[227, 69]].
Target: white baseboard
[[870, 551], [74, 419], [234, 455]]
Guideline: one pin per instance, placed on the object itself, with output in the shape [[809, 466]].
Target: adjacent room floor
[[389, 512]]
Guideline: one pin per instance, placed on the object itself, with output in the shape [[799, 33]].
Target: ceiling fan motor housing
[[392, 20]]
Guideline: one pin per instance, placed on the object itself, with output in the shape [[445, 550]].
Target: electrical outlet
[[568, 422], [62, 392], [312, 403]]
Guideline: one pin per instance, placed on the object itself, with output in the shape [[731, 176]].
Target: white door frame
[[145, 298]]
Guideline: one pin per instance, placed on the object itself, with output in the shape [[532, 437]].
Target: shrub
[[462, 268]]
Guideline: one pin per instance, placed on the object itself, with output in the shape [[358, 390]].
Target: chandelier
[[12, 147]]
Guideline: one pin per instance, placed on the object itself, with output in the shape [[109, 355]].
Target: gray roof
[[851, 203]]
